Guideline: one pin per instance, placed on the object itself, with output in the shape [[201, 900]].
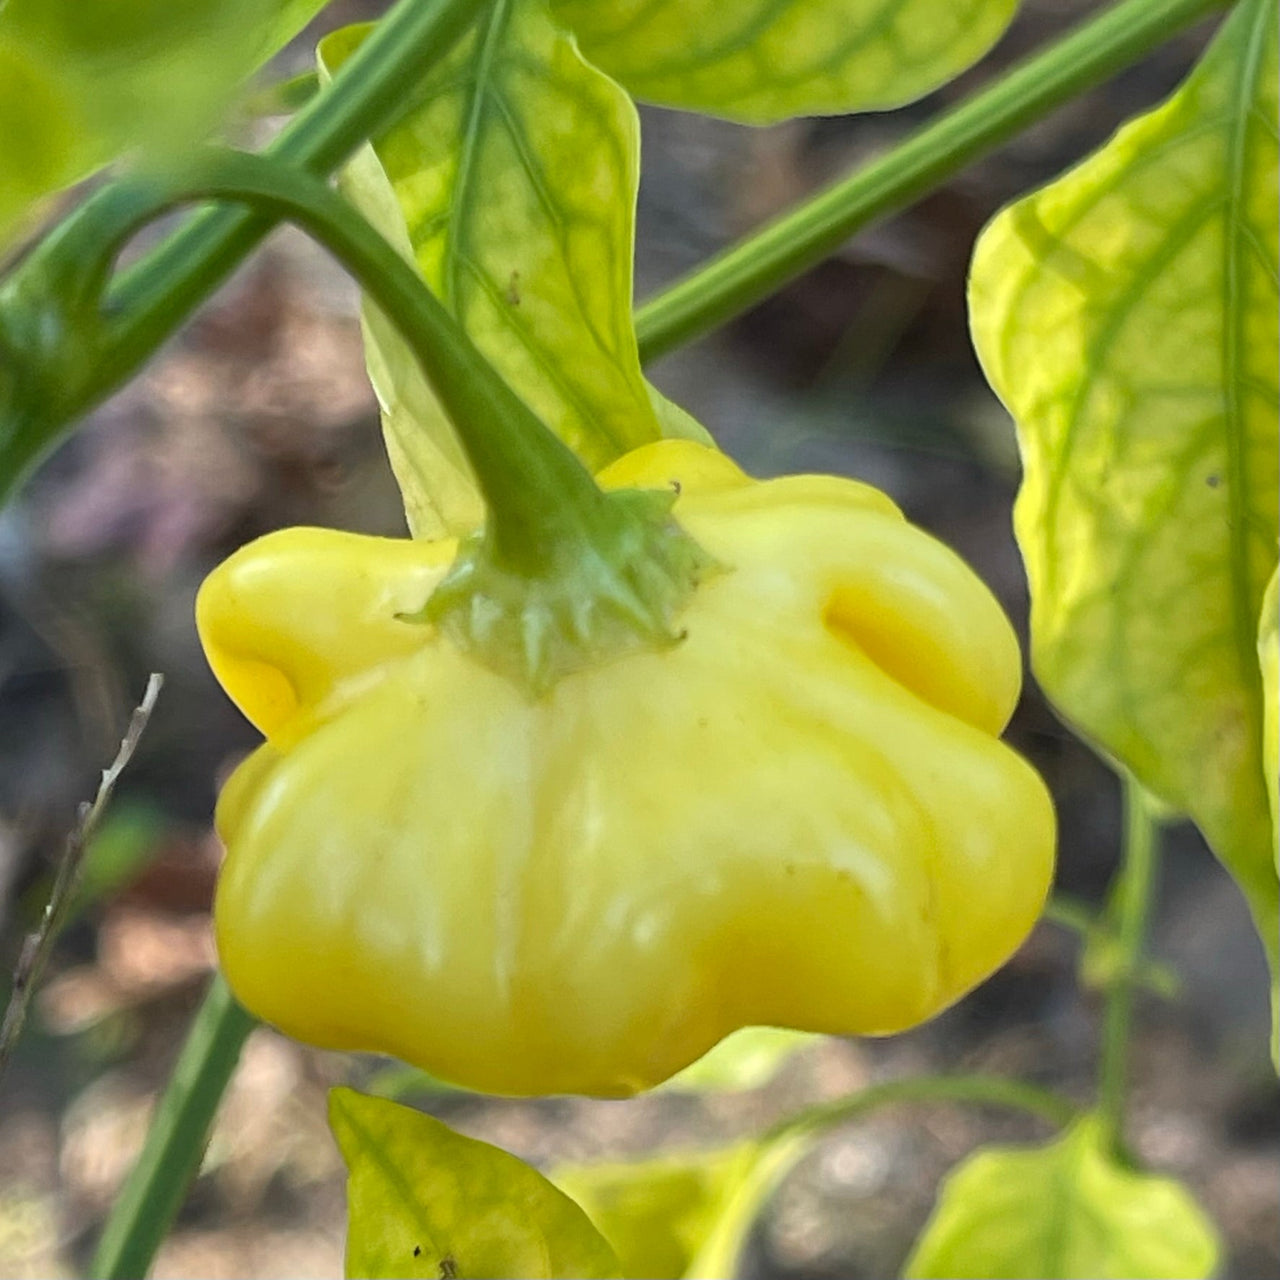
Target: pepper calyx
[[618, 587]]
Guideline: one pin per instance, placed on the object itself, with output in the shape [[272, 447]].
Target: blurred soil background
[[259, 415]]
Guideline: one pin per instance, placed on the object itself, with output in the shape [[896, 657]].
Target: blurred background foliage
[[259, 415], [81, 82]]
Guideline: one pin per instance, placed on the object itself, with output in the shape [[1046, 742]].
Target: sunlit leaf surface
[[765, 60], [516, 180], [423, 1201], [1126, 314], [682, 1215], [1062, 1212]]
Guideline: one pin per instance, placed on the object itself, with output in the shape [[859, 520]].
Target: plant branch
[[994, 1091], [39, 944], [528, 476], [563, 573], [1134, 893], [175, 1144], [367, 95], [748, 272]]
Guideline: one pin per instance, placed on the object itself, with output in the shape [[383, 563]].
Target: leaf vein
[[487, 41], [554, 374]]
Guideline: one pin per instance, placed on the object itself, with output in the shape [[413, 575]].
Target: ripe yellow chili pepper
[[799, 814]]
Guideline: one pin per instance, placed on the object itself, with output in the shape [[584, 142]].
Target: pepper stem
[[563, 575], [539, 496]]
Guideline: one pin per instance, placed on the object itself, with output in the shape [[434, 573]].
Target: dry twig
[[39, 944]]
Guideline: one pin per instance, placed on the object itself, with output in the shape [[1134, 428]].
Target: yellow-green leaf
[[745, 1060], [740, 1204], [80, 80], [423, 1201], [676, 421], [765, 60], [39, 127], [1127, 316], [681, 1215], [655, 1213], [515, 179], [1059, 1212]]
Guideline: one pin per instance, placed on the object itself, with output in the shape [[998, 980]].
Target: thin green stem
[[541, 499], [990, 1091], [1071, 913], [563, 574], [537, 492], [1134, 894], [745, 274], [366, 97], [174, 1148]]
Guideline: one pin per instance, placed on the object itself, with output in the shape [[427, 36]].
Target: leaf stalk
[[737, 279], [153, 1193], [1135, 890]]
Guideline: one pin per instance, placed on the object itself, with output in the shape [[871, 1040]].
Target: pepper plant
[[622, 751]]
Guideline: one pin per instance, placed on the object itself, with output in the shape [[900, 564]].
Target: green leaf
[[1059, 1212], [424, 1201], [1126, 314], [655, 1213], [80, 81], [682, 1215], [38, 130], [512, 185], [746, 1059], [740, 1204], [761, 61], [398, 1080], [675, 421]]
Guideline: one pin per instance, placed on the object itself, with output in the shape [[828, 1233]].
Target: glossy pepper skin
[[799, 815]]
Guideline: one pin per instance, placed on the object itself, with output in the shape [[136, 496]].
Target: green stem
[[745, 274], [563, 575], [539, 497], [174, 1148], [1134, 893], [993, 1091], [1071, 913], [367, 95]]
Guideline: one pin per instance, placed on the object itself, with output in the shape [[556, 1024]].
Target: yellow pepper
[[799, 814]]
